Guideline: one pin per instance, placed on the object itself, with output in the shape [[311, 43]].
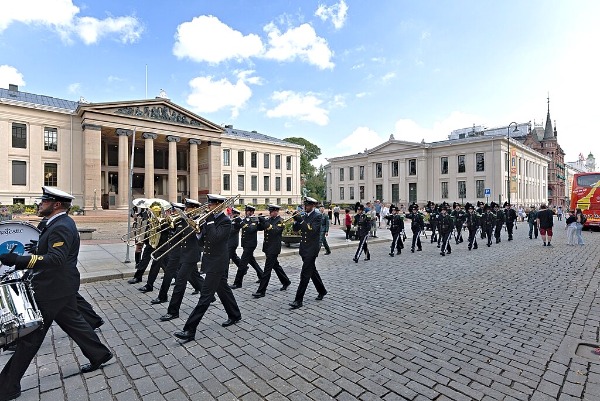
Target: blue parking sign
[[487, 192]]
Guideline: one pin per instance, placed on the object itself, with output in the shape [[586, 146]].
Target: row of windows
[[241, 183], [19, 173], [241, 159], [254, 201], [19, 137], [462, 191], [412, 167]]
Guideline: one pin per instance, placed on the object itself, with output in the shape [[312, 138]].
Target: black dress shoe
[[90, 367], [412, 250], [146, 288], [442, 253], [157, 301], [321, 296], [230, 321], [284, 287], [295, 305], [355, 260], [419, 249], [97, 325], [134, 280], [196, 292], [258, 294], [185, 335], [328, 253], [399, 252], [168, 316], [235, 286], [391, 254], [11, 396]]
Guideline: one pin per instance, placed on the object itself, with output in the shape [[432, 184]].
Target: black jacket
[[234, 235], [273, 228], [396, 223], [362, 221], [249, 228], [309, 226], [215, 233]]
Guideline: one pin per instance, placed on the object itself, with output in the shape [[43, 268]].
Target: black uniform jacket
[[273, 228], [362, 221], [54, 266], [472, 220], [310, 231], [190, 247], [249, 227], [488, 220], [234, 235], [417, 223], [214, 238], [445, 223], [396, 223]]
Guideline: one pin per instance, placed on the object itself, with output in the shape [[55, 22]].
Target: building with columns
[[90, 150]]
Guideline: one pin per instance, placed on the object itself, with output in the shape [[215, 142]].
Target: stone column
[[172, 184], [149, 163], [194, 168], [123, 195], [92, 172], [214, 168]]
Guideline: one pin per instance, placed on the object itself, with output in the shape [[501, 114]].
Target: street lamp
[[509, 156]]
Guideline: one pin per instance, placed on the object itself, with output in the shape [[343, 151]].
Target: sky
[[343, 74]]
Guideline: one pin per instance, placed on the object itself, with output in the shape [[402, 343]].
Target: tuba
[[156, 221]]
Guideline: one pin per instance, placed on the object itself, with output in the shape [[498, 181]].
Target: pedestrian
[[336, 215], [362, 221], [545, 221], [348, 224], [532, 221], [472, 224], [378, 207], [309, 225], [500, 218], [571, 228], [445, 225], [215, 262], [510, 217], [396, 223], [249, 228], [417, 225], [559, 213], [324, 231], [488, 221], [56, 282], [581, 219], [385, 212]]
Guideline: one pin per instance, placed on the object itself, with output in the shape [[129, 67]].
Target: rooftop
[[256, 136], [7, 95]]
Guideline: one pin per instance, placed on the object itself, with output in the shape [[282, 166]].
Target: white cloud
[[209, 96], [388, 76], [338, 102], [409, 130], [361, 94], [337, 13], [114, 78], [74, 87], [304, 107], [196, 40], [357, 141], [62, 16], [10, 75], [301, 42]]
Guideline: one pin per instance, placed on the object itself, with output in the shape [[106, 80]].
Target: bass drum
[[19, 314], [16, 234]]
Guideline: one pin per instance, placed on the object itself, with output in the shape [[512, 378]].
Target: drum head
[[17, 233]]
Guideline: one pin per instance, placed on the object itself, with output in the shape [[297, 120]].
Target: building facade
[[90, 150], [402, 172]]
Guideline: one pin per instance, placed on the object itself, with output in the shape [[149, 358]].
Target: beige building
[[86, 149], [402, 172]]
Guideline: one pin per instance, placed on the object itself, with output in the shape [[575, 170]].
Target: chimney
[[228, 126], [13, 87]]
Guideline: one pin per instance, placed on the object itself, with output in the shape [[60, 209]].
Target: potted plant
[[288, 236]]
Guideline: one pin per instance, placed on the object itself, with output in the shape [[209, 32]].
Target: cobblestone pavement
[[499, 323]]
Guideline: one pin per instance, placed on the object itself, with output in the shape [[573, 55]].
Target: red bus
[[585, 195]]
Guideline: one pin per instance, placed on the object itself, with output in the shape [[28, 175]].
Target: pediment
[[394, 145], [157, 110]]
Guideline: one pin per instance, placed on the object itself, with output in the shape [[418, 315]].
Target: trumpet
[[296, 213], [195, 225]]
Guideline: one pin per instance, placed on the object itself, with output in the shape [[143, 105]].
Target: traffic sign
[[487, 192]]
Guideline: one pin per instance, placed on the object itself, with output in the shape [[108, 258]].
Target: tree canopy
[[308, 154]]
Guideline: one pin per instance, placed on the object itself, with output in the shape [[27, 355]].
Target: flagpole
[[130, 196]]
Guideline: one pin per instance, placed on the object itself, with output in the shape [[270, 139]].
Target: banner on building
[[513, 171]]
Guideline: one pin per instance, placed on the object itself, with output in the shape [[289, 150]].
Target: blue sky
[[343, 74]]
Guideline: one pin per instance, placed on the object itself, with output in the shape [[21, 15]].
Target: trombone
[[194, 226]]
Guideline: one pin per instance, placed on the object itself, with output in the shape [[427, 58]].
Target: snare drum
[[19, 234], [19, 314]]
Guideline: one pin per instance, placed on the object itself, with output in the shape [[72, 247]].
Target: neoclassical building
[[461, 169], [91, 149]]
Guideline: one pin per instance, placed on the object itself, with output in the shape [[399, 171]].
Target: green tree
[[315, 184], [308, 154]]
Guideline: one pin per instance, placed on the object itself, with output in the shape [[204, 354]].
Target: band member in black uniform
[[215, 261], [510, 217], [396, 223], [499, 221], [155, 267], [249, 230], [309, 225], [417, 224], [143, 260], [234, 237], [433, 211], [55, 280], [458, 215], [488, 221], [187, 270], [479, 212], [445, 226], [363, 223], [472, 224], [273, 228]]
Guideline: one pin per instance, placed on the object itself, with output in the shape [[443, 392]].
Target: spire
[[548, 131]]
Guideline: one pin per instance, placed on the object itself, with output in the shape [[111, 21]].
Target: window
[[395, 170], [226, 157], [266, 182], [479, 162], [267, 201], [379, 191], [277, 183], [351, 193], [240, 182], [18, 201], [254, 183], [461, 164], [361, 192], [267, 161], [254, 201], [444, 190], [378, 170], [278, 201], [240, 158], [395, 193], [361, 172], [444, 164], [19, 172], [241, 201], [412, 166], [288, 162], [351, 174], [412, 192], [226, 182], [462, 189], [342, 174], [278, 162], [19, 136], [51, 139], [289, 201], [341, 193], [50, 174], [480, 188], [253, 160], [288, 184]]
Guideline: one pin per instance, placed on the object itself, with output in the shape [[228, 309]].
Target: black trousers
[[64, 312], [497, 232], [155, 269], [459, 237], [397, 244], [446, 241], [214, 282], [234, 257], [533, 229], [472, 239], [309, 272], [141, 266], [187, 272], [87, 311], [336, 218], [416, 240], [271, 263], [488, 232], [434, 236], [362, 246], [509, 229], [247, 259]]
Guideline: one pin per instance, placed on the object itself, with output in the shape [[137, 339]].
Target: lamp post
[[509, 156]]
